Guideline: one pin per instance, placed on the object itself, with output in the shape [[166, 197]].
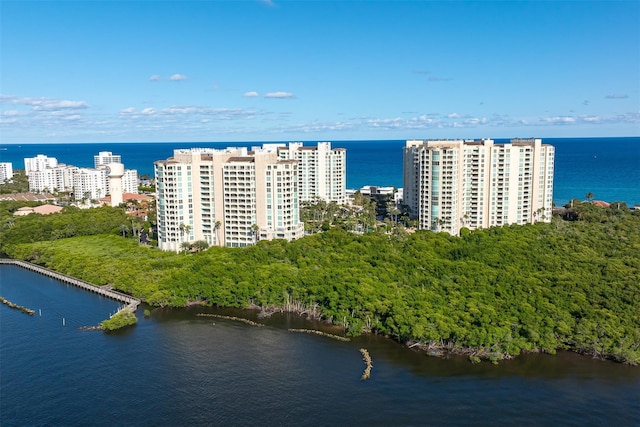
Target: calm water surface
[[176, 368]]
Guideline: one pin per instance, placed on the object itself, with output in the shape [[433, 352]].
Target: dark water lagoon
[[177, 368]]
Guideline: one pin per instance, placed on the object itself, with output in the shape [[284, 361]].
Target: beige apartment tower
[[451, 184], [231, 197]]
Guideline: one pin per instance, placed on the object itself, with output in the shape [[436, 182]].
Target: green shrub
[[119, 320]]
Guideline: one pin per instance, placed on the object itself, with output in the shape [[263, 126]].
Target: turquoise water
[[607, 167], [176, 368]]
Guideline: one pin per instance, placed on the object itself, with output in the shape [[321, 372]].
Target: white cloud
[[8, 121], [281, 95], [154, 78], [476, 121], [24, 118], [559, 120], [617, 96], [52, 104], [591, 119], [186, 114], [177, 77], [45, 104]]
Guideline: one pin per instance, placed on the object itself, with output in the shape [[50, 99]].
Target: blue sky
[[118, 71]]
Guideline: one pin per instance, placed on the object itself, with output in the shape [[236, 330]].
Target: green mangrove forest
[[572, 284]]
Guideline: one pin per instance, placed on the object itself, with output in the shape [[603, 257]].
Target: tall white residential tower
[[450, 184], [106, 157], [46, 174], [322, 170], [39, 163], [6, 171]]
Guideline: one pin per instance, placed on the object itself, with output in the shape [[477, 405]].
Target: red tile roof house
[[42, 210], [126, 197]]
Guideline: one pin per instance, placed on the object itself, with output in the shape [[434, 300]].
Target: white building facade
[[231, 197], [322, 170], [106, 157], [45, 174], [39, 163], [450, 184], [130, 181], [6, 171], [90, 184], [55, 179]]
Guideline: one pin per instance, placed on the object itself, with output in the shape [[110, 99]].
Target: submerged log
[[237, 319], [324, 334]]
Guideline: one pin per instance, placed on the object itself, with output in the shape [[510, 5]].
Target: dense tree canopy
[[70, 223], [18, 184], [500, 291]]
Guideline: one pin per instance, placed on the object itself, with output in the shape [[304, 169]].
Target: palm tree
[[589, 196], [393, 212], [185, 229], [217, 227], [254, 231], [465, 219]]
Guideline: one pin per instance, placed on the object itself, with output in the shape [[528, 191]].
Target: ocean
[[607, 167]]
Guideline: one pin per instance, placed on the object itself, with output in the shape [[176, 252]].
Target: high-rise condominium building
[[90, 183], [322, 170], [52, 179], [450, 184], [46, 174], [39, 163], [6, 171], [231, 197], [130, 181], [106, 157]]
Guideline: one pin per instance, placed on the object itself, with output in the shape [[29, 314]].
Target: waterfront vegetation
[[570, 284], [119, 320]]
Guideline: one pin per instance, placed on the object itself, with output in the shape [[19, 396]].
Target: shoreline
[[443, 350], [313, 313]]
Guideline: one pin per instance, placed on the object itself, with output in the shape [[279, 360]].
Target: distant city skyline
[[163, 71]]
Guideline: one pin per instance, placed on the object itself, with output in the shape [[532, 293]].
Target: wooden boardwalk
[[132, 303]]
